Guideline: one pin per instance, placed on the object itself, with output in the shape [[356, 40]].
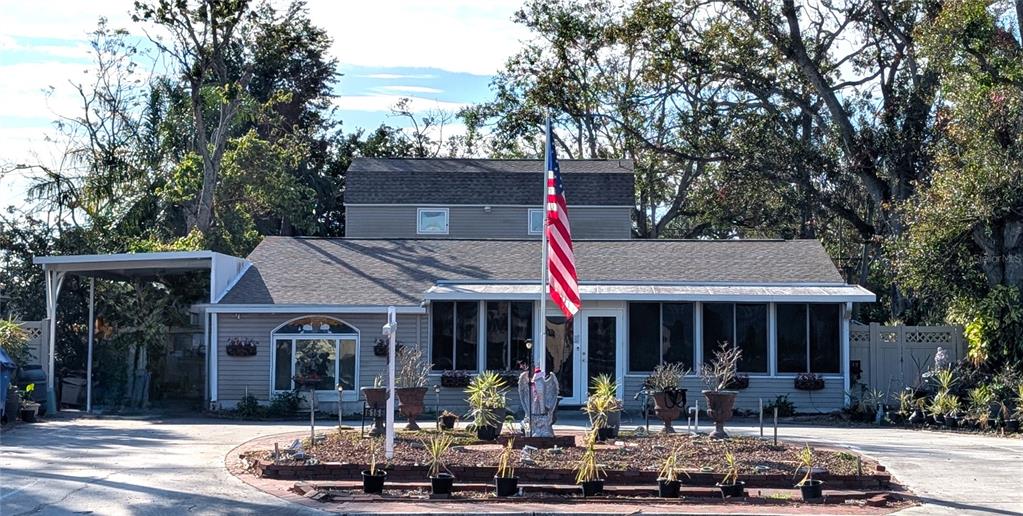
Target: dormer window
[[432, 221], [535, 221]]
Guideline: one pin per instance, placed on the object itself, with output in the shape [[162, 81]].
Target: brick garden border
[[400, 473]]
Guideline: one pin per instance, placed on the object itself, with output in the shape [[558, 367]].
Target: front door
[[581, 348]]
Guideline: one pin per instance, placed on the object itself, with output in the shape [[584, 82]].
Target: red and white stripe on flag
[[562, 281]]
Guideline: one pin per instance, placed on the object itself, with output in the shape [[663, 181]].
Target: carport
[[223, 269]]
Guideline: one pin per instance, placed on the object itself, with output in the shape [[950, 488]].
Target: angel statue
[[542, 402]]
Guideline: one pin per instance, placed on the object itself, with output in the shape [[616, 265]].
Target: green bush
[[284, 404], [249, 406], [14, 341], [785, 407]]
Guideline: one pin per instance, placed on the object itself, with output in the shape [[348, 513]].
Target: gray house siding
[[399, 221], [237, 376]]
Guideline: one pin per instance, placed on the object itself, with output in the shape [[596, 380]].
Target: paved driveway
[[118, 466]]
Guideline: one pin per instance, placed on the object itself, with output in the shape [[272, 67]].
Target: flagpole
[[541, 345]]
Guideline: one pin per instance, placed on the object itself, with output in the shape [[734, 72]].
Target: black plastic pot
[[736, 490], [668, 488], [29, 411], [952, 421], [506, 486], [373, 484], [1012, 425], [447, 422], [486, 433], [812, 490], [593, 487], [604, 433], [441, 484]]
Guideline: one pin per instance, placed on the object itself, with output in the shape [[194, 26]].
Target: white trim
[[697, 338], [713, 298], [231, 284], [481, 335], [845, 314], [214, 362], [582, 358], [643, 283], [529, 220], [447, 221], [337, 338], [123, 257], [301, 309], [772, 339], [492, 205]]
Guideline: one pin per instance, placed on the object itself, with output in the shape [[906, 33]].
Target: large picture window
[[741, 324], [455, 335], [660, 333], [509, 325], [318, 348], [808, 338]]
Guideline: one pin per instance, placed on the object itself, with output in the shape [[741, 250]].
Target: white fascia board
[[492, 205], [702, 293], [303, 309], [712, 298], [122, 257]]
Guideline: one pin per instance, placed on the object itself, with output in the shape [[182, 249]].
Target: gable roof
[[485, 181], [314, 271]]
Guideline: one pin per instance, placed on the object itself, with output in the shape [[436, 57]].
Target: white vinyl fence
[[894, 357], [37, 341]]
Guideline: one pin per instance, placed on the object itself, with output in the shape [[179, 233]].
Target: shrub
[[14, 341], [667, 377], [284, 404], [249, 406], [785, 407], [411, 368]]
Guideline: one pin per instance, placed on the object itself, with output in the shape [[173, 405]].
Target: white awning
[[624, 292]]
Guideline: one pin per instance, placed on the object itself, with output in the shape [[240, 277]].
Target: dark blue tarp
[[7, 368]]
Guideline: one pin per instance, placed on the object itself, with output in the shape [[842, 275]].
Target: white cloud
[[469, 36], [410, 89], [25, 91], [61, 19], [384, 103], [391, 76]]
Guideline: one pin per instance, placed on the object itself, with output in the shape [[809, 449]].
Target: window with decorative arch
[[319, 351]]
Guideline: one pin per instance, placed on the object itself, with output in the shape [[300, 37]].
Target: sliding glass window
[[660, 333], [808, 338]]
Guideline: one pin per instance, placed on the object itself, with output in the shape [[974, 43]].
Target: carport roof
[[127, 266]]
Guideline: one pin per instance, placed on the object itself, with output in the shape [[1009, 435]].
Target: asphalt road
[[176, 466]]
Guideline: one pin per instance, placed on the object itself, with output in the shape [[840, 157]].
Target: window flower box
[[809, 382], [458, 379], [380, 347], [238, 347]]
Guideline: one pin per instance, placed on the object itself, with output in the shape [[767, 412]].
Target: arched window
[[319, 350]]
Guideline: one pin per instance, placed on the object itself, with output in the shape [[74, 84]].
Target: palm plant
[[374, 446], [669, 469], [505, 468], [1018, 413], [981, 398], [805, 458], [587, 469], [731, 470], [485, 395], [436, 447]]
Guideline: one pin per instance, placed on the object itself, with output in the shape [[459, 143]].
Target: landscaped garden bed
[[636, 459]]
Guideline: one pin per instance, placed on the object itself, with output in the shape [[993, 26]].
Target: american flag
[[562, 281]]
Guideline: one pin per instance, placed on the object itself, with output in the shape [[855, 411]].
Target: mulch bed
[[635, 453]]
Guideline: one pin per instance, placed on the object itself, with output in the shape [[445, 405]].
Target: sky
[[439, 53]]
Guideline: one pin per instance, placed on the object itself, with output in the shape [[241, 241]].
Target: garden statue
[[539, 404]]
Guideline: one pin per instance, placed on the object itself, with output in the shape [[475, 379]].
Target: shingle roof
[[484, 181], [288, 270]]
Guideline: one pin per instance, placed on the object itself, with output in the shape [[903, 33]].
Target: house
[[454, 245]]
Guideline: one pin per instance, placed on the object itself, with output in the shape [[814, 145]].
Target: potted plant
[[981, 398], [458, 379], [717, 375], [505, 481], [412, 372], [668, 482], [440, 481], [740, 382], [28, 410], [810, 487], [487, 405], [809, 382], [587, 472], [376, 399], [447, 420], [669, 397], [1012, 424], [730, 485], [603, 406], [373, 478]]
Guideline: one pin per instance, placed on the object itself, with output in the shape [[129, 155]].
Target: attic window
[[535, 221], [432, 221]]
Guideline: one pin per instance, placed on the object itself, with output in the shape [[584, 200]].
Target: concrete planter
[[410, 404], [719, 408]]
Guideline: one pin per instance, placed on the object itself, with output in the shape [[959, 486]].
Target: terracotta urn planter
[[719, 409], [376, 398], [410, 404], [668, 405]]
